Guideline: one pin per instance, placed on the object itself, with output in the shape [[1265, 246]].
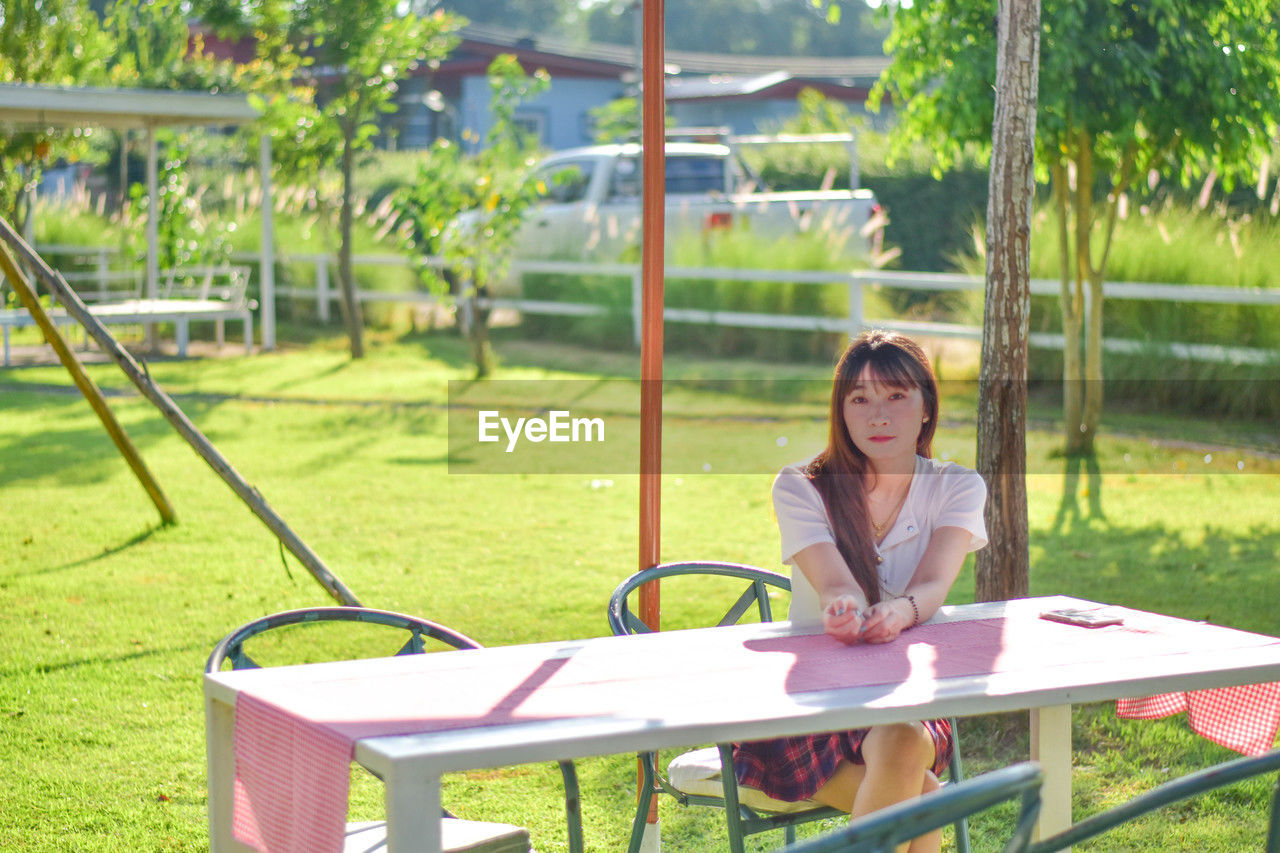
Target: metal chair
[[1203, 781], [696, 778], [882, 831], [459, 835]]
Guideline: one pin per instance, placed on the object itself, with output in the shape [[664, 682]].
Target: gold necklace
[[879, 527]]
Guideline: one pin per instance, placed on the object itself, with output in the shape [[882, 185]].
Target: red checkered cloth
[[1244, 719]]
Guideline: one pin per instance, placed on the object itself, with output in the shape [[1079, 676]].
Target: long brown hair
[[839, 471]]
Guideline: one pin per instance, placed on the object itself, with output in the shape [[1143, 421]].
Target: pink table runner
[[296, 727]]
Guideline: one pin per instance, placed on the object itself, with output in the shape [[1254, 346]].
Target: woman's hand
[[842, 618], [883, 622]]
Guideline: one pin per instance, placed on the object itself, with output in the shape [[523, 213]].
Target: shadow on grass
[[1212, 573], [76, 455], [1069, 513], [85, 561], [47, 668]]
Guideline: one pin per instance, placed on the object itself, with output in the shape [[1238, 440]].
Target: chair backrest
[[889, 827], [1177, 790], [622, 620], [231, 648]]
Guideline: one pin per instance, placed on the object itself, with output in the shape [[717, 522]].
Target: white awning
[[36, 106], [56, 106]]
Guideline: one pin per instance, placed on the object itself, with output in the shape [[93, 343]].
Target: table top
[[548, 701]]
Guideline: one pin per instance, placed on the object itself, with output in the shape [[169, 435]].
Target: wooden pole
[[86, 385], [175, 416], [653, 135]]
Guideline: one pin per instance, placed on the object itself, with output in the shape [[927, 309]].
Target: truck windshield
[[685, 176], [565, 182]]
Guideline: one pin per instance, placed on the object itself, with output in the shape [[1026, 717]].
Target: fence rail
[[323, 293]]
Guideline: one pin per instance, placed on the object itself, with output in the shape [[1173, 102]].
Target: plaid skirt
[[794, 768]]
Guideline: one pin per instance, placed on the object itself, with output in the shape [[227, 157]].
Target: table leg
[[1051, 747], [413, 811], [220, 729]]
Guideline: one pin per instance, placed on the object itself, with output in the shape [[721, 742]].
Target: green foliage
[[929, 210], [349, 56], [467, 208], [1173, 244], [779, 28], [1172, 87], [735, 248], [1167, 85], [187, 233], [617, 121], [492, 187], [52, 43]]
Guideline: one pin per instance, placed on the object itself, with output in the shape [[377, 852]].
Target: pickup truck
[[590, 202]]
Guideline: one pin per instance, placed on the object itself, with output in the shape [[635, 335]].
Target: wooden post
[[1002, 567], [86, 385], [177, 418]]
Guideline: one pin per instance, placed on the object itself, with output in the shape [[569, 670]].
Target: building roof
[[45, 106], [678, 61], [776, 84]]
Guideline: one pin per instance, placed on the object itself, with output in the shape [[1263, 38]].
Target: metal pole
[[152, 287], [654, 205], [653, 135], [267, 253]]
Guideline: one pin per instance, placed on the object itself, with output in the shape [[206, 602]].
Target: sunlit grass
[[109, 618]]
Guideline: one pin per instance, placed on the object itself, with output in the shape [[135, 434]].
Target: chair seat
[[459, 836], [698, 772]]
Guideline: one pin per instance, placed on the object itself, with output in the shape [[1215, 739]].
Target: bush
[[929, 217], [736, 248], [1174, 244]]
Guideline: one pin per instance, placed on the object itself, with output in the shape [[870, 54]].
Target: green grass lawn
[[108, 618]]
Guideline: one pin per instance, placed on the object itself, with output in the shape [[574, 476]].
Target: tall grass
[[821, 246], [232, 203], [1173, 243]]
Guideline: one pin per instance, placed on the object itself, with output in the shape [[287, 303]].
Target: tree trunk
[[351, 312], [1075, 371], [1093, 384], [481, 351], [1002, 567], [1071, 305]]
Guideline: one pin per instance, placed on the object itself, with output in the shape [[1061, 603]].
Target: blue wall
[[560, 113]]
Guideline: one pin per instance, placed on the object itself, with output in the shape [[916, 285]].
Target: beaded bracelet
[[915, 618]]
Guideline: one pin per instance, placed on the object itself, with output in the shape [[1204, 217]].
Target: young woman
[[875, 531]]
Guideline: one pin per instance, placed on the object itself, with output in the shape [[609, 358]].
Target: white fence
[[855, 321], [322, 290]]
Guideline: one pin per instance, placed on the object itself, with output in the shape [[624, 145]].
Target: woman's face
[[883, 421]]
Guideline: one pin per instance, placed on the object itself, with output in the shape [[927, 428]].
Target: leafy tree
[[49, 42], [349, 55], [153, 51], [1127, 90], [754, 27], [532, 15], [467, 208]]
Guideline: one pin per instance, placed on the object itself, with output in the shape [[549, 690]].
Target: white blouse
[[942, 494]]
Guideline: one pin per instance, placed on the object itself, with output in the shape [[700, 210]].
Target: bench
[[214, 294]]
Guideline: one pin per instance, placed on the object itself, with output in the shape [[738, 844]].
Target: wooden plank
[[178, 419]]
